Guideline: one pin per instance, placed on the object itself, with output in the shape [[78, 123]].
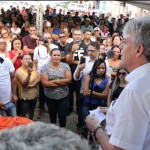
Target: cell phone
[[30, 65], [82, 60], [9, 105], [76, 42]]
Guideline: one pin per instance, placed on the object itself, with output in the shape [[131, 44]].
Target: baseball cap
[[7, 25], [96, 28]]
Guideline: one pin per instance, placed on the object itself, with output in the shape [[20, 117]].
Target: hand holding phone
[[82, 60], [76, 42], [30, 64]]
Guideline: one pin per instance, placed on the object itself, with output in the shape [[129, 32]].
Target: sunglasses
[[88, 50], [2, 43], [62, 37], [122, 73]]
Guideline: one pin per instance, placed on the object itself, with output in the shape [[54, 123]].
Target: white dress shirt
[[132, 126]]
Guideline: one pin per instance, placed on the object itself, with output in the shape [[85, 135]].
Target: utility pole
[[39, 19]]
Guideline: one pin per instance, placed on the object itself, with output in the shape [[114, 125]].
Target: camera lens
[[45, 41]]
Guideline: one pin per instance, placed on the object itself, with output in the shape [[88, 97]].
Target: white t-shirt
[[41, 56], [18, 31], [53, 46], [5, 80], [132, 126]]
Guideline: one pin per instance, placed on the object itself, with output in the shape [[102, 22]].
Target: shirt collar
[[89, 59], [137, 72]]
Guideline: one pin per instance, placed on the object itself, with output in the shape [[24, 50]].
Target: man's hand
[[92, 122], [34, 37], [2, 106], [74, 47], [18, 53], [81, 67]]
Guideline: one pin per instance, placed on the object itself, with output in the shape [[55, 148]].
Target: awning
[[140, 4]]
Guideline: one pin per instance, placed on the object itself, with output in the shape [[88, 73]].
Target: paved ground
[[71, 122], [71, 119]]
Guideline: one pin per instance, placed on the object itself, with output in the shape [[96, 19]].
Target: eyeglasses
[[122, 73], [88, 50], [62, 37], [2, 43]]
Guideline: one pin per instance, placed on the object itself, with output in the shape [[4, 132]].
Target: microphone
[[108, 54]]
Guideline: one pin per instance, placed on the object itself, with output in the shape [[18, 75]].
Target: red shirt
[[18, 60]]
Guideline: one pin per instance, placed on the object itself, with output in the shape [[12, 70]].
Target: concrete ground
[[71, 119], [71, 122]]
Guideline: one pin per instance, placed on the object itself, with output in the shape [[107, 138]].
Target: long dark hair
[[93, 73]]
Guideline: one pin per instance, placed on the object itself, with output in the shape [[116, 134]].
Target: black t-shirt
[[62, 49], [77, 54], [117, 92]]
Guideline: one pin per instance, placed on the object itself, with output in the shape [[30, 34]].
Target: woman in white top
[[41, 54], [15, 28]]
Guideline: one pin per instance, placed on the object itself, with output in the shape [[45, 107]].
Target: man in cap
[[87, 25], [96, 34]]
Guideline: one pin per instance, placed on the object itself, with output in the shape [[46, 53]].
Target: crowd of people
[[65, 40], [70, 56]]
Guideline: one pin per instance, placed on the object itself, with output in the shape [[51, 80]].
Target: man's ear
[[140, 50]]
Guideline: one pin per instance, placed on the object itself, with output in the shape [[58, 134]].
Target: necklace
[[98, 81]]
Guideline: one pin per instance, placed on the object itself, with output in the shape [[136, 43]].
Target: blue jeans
[[85, 111], [57, 107], [9, 112]]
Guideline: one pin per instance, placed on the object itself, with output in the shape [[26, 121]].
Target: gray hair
[[140, 28], [41, 136], [77, 30]]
